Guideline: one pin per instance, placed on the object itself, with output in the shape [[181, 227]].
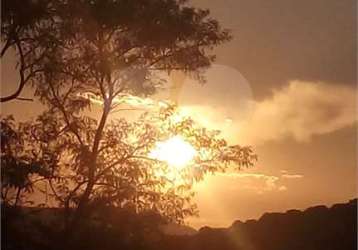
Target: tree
[[21, 166], [126, 176], [109, 51], [27, 27]]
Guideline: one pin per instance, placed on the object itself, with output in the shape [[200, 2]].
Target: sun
[[175, 151]]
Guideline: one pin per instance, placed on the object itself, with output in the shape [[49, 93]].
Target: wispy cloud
[[292, 176], [259, 183]]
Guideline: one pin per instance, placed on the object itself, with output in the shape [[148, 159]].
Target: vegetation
[[86, 60], [317, 227]]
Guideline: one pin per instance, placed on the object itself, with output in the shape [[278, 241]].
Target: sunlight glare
[[175, 151]]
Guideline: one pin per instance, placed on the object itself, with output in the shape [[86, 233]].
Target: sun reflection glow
[[175, 151]]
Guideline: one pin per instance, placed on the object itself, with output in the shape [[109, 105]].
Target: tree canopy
[[99, 38], [109, 51]]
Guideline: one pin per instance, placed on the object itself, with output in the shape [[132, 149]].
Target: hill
[[316, 228]]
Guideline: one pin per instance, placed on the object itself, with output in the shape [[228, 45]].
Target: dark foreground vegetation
[[314, 228]]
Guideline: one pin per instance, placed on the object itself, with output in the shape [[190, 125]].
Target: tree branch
[[23, 80]]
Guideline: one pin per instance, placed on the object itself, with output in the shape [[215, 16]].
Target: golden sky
[[286, 85]]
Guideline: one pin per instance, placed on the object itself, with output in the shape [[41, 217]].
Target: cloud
[[292, 176], [256, 182], [282, 188], [299, 111], [311, 40]]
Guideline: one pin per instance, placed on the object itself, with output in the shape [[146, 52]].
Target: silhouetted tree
[[21, 165], [29, 28], [106, 53]]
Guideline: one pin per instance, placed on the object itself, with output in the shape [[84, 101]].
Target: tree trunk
[[81, 210]]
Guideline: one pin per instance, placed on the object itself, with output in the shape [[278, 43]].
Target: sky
[[299, 62], [285, 84]]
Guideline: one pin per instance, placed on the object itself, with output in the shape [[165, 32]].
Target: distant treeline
[[315, 228]]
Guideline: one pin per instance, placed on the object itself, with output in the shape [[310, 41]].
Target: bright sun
[[175, 151]]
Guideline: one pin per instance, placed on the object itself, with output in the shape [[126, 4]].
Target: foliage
[[125, 174], [24, 161], [107, 50], [96, 39], [29, 28]]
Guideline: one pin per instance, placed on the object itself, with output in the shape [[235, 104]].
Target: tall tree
[[113, 48], [106, 51]]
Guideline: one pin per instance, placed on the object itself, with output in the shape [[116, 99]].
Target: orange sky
[[286, 84]]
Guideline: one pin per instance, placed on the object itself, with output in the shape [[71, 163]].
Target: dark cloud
[[282, 40]]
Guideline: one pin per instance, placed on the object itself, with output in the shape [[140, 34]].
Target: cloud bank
[[300, 111]]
